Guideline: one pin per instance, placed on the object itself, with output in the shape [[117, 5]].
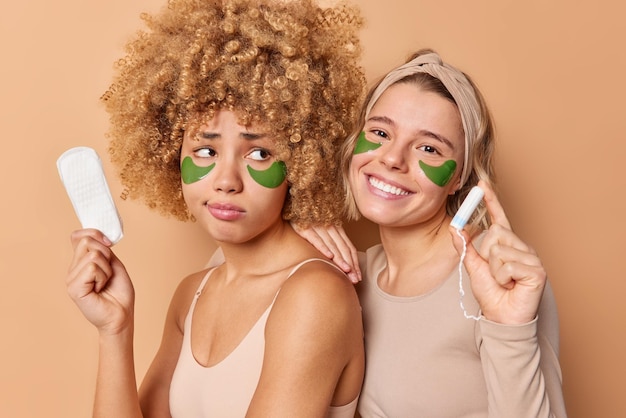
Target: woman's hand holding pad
[[98, 283]]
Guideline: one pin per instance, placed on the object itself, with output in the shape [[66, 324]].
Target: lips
[[225, 212], [386, 187]]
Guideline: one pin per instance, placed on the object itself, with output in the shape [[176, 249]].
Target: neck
[[409, 248], [263, 254]]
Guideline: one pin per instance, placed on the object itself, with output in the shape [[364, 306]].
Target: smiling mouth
[[387, 188]]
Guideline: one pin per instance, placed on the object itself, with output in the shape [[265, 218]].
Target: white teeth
[[387, 188]]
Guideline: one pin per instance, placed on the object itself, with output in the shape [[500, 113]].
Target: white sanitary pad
[[82, 175]]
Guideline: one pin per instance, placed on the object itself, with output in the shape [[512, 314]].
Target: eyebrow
[[431, 134], [250, 136]]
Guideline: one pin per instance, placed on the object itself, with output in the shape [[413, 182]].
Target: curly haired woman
[[230, 113]]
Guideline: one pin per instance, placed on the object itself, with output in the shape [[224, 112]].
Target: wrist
[[509, 320], [117, 330]]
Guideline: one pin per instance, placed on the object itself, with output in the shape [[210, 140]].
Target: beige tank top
[[226, 389]]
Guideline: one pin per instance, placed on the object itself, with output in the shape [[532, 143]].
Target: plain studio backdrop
[[552, 71]]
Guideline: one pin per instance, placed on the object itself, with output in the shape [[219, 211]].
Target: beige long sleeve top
[[425, 359]]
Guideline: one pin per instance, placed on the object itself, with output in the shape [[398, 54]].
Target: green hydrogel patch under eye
[[190, 172], [363, 145], [272, 177], [439, 175]]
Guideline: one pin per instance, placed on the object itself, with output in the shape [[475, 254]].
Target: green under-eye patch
[[190, 172], [272, 177], [439, 175], [363, 145]]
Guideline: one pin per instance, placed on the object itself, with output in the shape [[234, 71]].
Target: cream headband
[[453, 80]]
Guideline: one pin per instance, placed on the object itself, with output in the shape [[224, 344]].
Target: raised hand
[[98, 283], [506, 275]]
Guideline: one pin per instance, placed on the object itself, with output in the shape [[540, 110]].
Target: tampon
[[468, 206]]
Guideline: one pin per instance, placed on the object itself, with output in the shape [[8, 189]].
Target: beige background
[[552, 71]]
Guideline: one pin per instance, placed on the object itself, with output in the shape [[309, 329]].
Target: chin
[[377, 216], [228, 235]]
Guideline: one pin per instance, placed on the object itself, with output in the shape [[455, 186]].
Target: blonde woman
[[442, 338]]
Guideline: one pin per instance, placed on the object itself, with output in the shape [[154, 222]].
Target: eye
[[259, 154], [204, 152], [379, 133], [429, 149]]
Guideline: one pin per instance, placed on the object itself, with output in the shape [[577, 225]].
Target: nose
[[392, 156], [227, 176]]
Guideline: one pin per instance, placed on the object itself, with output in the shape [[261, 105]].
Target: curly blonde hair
[[288, 64]]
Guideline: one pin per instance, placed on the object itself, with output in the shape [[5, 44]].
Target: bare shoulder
[[319, 279], [181, 300], [190, 283], [319, 291], [315, 328]]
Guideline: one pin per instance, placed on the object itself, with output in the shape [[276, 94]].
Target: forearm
[[116, 385], [511, 359]]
